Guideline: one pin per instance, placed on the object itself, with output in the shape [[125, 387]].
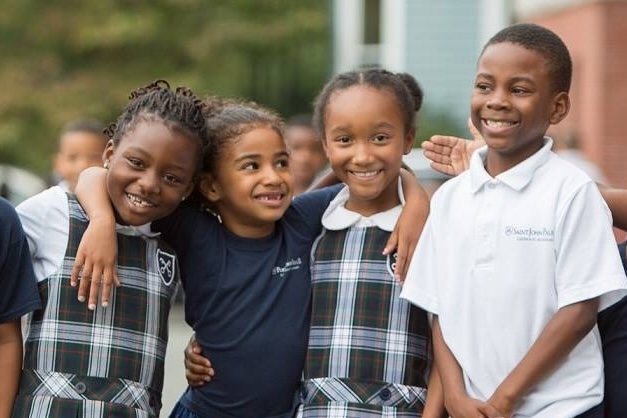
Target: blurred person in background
[[307, 158], [81, 145]]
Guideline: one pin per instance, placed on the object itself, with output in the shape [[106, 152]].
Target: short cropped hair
[[545, 42]]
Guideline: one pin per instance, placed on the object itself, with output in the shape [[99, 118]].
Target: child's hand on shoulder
[[95, 263]]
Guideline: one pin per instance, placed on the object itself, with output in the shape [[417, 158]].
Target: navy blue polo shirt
[[248, 302], [19, 293]]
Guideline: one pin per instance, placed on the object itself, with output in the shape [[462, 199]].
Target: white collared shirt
[[337, 217], [500, 255], [46, 222]]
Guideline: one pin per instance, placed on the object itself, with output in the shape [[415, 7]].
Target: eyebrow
[[257, 156], [344, 128], [514, 79]]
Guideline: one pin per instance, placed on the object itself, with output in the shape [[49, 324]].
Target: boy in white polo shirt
[[518, 256]]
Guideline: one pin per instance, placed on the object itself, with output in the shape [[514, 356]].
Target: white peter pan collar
[[336, 217]]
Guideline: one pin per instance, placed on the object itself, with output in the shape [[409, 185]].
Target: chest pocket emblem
[[166, 266]]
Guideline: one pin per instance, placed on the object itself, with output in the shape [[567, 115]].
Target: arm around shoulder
[[97, 253]]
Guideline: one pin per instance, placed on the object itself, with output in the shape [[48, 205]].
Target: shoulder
[[452, 188], [319, 196], [566, 171], [563, 181], [50, 205], [7, 211], [54, 196], [10, 226]]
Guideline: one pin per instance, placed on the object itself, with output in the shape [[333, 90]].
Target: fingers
[[196, 372], [438, 157], [401, 268], [94, 288], [109, 279], [85, 281], [443, 168], [392, 243], [406, 261], [476, 135], [444, 141], [489, 411], [198, 369], [76, 269]]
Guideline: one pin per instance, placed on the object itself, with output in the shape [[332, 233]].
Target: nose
[[149, 182], [271, 175], [362, 154], [497, 100]]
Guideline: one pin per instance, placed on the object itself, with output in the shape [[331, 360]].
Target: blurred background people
[[81, 145], [307, 157]]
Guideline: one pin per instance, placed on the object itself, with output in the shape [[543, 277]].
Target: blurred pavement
[[175, 384]]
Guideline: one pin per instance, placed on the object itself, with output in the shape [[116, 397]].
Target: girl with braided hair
[[109, 362]]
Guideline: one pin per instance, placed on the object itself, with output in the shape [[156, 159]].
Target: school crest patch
[[391, 262], [166, 265]]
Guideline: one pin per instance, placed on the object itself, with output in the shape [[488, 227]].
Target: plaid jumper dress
[[106, 363], [369, 351]]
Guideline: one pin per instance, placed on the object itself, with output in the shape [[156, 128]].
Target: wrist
[[503, 399], [102, 218]]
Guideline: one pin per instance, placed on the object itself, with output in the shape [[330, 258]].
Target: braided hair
[[179, 109], [403, 86]]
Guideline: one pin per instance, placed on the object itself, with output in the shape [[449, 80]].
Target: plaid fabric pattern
[[335, 397], [103, 363], [374, 346]]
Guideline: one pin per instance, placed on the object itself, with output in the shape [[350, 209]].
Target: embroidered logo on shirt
[[529, 233], [166, 265], [291, 264]]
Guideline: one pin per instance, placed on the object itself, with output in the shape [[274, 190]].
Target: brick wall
[[596, 36]]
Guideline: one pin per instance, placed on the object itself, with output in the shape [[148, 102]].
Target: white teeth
[[275, 196], [365, 174], [137, 201], [498, 123]]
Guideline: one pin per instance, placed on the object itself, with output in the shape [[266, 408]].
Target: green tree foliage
[[63, 59]]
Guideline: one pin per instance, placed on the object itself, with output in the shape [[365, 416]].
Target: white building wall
[[394, 48], [442, 48], [347, 30]]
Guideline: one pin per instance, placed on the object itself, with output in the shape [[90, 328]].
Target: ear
[[409, 140], [209, 187], [108, 153], [561, 107]]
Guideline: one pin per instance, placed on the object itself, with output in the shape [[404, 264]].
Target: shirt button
[[385, 394], [80, 387]]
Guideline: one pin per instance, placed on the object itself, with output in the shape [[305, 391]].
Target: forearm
[[616, 200], [558, 338], [415, 196], [10, 364], [434, 406], [450, 373], [91, 191]]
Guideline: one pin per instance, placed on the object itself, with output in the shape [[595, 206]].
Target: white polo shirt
[[499, 256]]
